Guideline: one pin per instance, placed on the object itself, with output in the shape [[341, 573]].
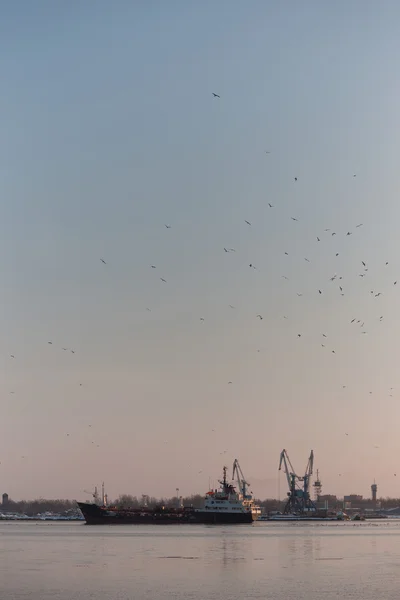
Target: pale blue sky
[[109, 132]]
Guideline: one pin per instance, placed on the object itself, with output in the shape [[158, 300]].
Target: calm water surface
[[43, 561]]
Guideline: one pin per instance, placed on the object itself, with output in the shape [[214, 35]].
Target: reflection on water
[[43, 561]]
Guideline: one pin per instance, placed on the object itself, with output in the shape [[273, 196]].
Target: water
[[71, 561]]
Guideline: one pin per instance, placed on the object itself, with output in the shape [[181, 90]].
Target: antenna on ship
[[103, 496]]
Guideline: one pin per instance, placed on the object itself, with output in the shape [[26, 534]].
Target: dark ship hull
[[98, 515]]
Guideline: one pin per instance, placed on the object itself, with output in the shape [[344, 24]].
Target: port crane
[[241, 482], [299, 500]]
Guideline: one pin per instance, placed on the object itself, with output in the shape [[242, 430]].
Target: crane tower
[[299, 500]]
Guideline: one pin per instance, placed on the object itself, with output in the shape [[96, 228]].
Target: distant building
[[352, 500], [4, 500], [326, 501]]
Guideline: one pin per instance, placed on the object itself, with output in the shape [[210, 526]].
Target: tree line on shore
[[40, 506]]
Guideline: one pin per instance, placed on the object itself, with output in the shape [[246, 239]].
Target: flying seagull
[[270, 205], [294, 219], [248, 222], [216, 95], [103, 261], [168, 226], [164, 280]]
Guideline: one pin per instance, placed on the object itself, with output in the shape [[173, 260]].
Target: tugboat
[[226, 505]]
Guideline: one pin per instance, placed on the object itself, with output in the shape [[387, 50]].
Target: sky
[[110, 132]]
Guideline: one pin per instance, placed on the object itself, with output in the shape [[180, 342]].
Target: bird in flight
[[164, 280], [153, 266], [248, 222], [168, 226], [103, 261], [270, 205], [294, 219], [12, 356], [318, 240], [359, 225], [216, 95], [260, 317], [295, 178], [267, 152]]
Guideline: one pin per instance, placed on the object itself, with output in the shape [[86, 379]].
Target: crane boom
[[242, 483]]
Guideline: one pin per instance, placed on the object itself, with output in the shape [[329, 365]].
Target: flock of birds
[[334, 279]]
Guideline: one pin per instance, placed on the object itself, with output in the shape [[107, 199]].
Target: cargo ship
[[221, 506]]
